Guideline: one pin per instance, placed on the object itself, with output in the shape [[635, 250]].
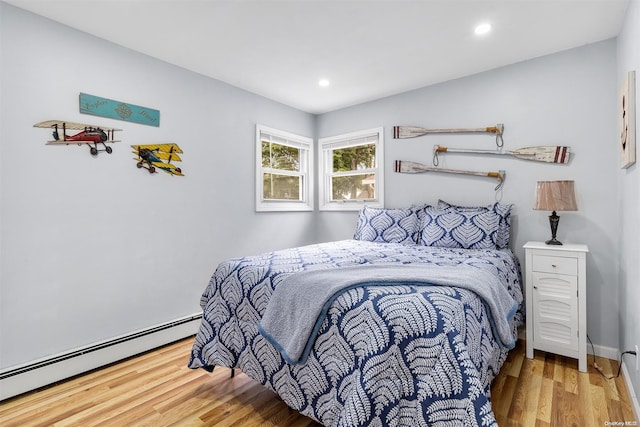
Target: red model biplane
[[89, 134]]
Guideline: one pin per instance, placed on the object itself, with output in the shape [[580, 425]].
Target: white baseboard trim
[[602, 351], [632, 393], [39, 373]]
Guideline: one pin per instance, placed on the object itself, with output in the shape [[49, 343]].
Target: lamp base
[[553, 241], [553, 222]]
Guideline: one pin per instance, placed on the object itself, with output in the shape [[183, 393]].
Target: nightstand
[[556, 295]]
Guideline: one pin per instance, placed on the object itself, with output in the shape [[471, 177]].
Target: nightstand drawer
[[555, 264]]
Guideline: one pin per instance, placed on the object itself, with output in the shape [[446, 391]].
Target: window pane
[[354, 158], [352, 170], [282, 187], [283, 157], [353, 187]]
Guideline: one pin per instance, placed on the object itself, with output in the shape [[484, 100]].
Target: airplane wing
[[70, 125], [164, 156], [160, 148], [68, 142], [168, 156], [163, 165], [168, 167], [170, 148]]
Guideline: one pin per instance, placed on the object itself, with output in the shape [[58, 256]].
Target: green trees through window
[[284, 167], [283, 158], [357, 182], [352, 172]]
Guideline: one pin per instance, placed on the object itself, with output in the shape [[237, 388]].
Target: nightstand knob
[[535, 287], [554, 266]]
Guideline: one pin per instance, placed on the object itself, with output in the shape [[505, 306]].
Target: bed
[[428, 309]]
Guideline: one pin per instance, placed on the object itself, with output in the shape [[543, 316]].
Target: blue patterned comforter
[[384, 355]]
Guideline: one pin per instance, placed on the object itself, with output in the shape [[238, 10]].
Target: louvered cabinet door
[[555, 294], [555, 312]]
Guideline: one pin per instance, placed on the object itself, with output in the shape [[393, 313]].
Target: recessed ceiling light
[[323, 82], [483, 29]]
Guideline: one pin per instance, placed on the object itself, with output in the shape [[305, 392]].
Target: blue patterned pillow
[[502, 210], [421, 210], [387, 225], [457, 229]]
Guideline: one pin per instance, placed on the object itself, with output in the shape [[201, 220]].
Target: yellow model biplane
[[154, 156], [89, 134]]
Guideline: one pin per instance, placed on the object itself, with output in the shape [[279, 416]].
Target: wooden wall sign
[[103, 107]]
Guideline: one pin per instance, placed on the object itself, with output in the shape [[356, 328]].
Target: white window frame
[[305, 203], [326, 147]]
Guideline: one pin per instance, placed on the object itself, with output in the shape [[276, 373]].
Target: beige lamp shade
[[556, 196]]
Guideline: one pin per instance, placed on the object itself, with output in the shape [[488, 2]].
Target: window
[[352, 172], [284, 170]]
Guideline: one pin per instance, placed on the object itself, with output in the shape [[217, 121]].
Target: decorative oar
[[403, 166], [402, 132], [548, 154]]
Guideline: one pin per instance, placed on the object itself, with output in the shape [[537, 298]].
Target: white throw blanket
[[300, 302]]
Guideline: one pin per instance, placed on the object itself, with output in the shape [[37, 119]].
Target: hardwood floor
[[157, 389], [548, 390]]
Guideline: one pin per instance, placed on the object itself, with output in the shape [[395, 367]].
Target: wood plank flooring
[[548, 390], [157, 389]]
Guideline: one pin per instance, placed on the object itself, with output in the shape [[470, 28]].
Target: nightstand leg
[[582, 363], [529, 344]]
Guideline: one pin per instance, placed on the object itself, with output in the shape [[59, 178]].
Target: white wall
[[628, 206], [92, 248], [569, 98]]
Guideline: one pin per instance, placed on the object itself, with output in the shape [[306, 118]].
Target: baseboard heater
[[39, 373]]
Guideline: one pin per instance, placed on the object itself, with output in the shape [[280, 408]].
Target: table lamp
[[555, 196]]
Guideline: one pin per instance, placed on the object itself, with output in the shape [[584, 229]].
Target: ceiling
[[367, 49]]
